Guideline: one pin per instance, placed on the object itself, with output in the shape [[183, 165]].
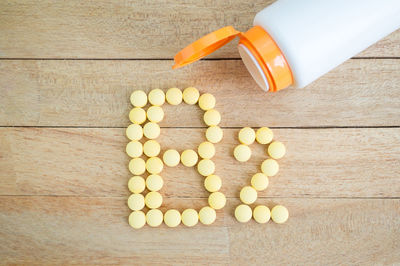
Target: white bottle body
[[315, 36]]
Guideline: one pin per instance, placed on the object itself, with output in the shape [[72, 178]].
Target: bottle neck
[[264, 60]]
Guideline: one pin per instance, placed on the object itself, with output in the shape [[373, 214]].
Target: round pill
[[259, 181], [191, 95], [214, 134], [137, 219], [264, 135], [136, 184], [206, 150], [206, 101], [212, 117], [154, 182], [174, 96], [172, 218], [154, 217], [189, 158], [207, 215], [243, 213], [206, 167], [190, 217], [154, 165], [279, 214], [151, 130], [134, 149], [153, 199], [242, 153], [212, 183], [134, 132], [156, 97], [171, 157], [137, 115], [270, 167], [137, 166], [247, 135], [217, 200], [155, 114], [261, 214], [139, 98], [248, 195], [151, 148], [276, 150], [136, 202]]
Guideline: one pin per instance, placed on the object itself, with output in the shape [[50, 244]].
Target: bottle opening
[[253, 67], [264, 60]]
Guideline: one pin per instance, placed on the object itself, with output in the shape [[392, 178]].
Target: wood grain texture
[[92, 162], [86, 230], [63, 169], [96, 93], [129, 29]]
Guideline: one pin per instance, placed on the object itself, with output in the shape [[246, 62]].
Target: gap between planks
[[202, 198]]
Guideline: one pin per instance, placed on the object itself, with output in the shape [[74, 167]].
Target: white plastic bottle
[[295, 42]]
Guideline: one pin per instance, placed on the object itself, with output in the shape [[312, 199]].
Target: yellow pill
[[136, 184], [264, 135], [207, 215], [172, 218], [261, 214], [154, 165], [191, 95], [151, 148], [171, 157], [259, 181], [190, 217], [217, 200], [212, 117], [174, 96], [139, 98], [154, 217], [270, 167], [247, 135], [206, 167], [214, 134], [136, 202], [242, 153], [154, 182], [137, 115], [207, 101], [137, 166], [276, 150], [137, 219], [156, 97], [243, 213], [189, 158], [134, 132], [155, 114], [206, 150], [134, 149], [248, 195], [279, 214], [151, 130], [212, 183], [153, 200]]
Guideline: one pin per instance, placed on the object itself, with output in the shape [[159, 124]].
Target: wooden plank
[[128, 29], [92, 162], [86, 230], [96, 93]]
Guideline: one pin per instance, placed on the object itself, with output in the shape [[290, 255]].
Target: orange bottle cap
[[257, 41], [204, 46]]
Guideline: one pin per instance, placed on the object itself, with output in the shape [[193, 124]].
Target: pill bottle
[[292, 43]]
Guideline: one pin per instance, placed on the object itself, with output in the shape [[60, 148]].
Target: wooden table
[[67, 69]]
